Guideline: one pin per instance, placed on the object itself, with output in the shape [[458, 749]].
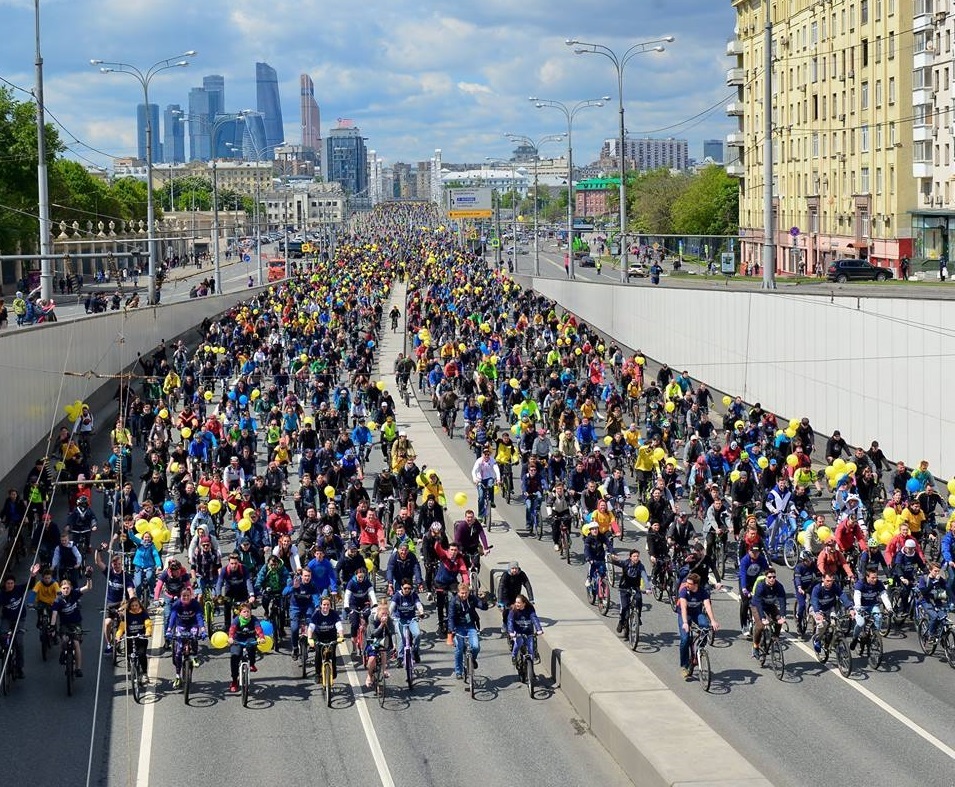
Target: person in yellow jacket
[[389, 434], [400, 451], [430, 484], [171, 385], [645, 466], [604, 519]]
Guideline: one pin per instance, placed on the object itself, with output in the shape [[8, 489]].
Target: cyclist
[[805, 576], [832, 561], [403, 565], [82, 523], [681, 534], [768, 601], [234, 586], [948, 560], [304, 596], [904, 567], [12, 596], [485, 474], [693, 607], [778, 504], [359, 599], [634, 581], [245, 633], [324, 576], [872, 556], [561, 509], [270, 583], [325, 628], [522, 622], [119, 587], [169, 585], [69, 617], [867, 592], [751, 566], [406, 608], [716, 525], [135, 622], [379, 640], [185, 619], [823, 604], [509, 588], [67, 560], [933, 598], [463, 620], [596, 547], [506, 455], [533, 487], [471, 539]]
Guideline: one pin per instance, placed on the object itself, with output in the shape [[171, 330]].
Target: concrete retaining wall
[[873, 368], [34, 388]]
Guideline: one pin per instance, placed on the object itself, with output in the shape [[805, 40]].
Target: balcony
[[735, 77], [736, 169], [734, 47], [735, 139], [922, 169], [923, 95], [734, 109]]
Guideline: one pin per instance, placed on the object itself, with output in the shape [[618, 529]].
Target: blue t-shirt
[[694, 600], [68, 608]]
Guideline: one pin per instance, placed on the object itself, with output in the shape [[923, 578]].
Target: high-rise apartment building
[[713, 149], [403, 181], [346, 160], [155, 132], [842, 87], [269, 103], [214, 85], [646, 154], [174, 135], [311, 117]]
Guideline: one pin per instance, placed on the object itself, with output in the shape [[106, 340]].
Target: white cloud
[[473, 89]]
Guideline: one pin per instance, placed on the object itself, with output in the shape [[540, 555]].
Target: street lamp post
[[144, 77], [620, 63], [536, 145], [570, 112], [259, 152]]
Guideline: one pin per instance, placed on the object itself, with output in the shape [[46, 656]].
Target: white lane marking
[[924, 734], [384, 772], [146, 736]]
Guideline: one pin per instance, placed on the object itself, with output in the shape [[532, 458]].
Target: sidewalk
[[641, 723]]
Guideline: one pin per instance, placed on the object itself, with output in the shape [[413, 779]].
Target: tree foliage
[[709, 205]]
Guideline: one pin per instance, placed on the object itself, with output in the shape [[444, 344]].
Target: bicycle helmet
[[873, 543], [805, 555], [327, 530]]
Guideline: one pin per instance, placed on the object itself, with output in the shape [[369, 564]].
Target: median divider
[[654, 736]]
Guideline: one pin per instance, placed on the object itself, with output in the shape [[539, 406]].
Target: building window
[[864, 11], [923, 7], [878, 136], [878, 49], [814, 34], [864, 223], [922, 151], [864, 177], [878, 93], [878, 180], [864, 96], [891, 53], [891, 90], [864, 139]]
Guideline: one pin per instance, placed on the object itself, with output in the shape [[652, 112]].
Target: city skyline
[[414, 76]]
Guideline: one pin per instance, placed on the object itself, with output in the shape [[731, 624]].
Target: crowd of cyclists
[[239, 493]]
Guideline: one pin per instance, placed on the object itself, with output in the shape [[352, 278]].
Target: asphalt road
[[435, 735]]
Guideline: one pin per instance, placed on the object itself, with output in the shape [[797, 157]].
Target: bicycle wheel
[[800, 621], [409, 668], [7, 682], [186, 675], [776, 658], [70, 667], [875, 650], [706, 674], [244, 682], [529, 675], [565, 545], [209, 611], [948, 645], [886, 625], [927, 644], [844, 658], [327, 682], [658, 590], [116, 653], [763, 646], [380, 679], [612, 573], [603, 596], [633, 627], [275, 618], [44, 644], [790, 553], [303, 655], [469, 672], [720, 556], [134, 679]]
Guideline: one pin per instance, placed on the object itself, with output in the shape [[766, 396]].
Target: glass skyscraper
[[154, 131], [269, 103], [346, 160], [174, 135], [214, 85], [200, 144]]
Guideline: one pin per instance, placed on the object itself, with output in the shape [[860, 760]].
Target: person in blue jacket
[[406, 608], [768, 603], [948, 560], [751, 566], [323, 571], [522, 623], [304, 596], [823, 601]]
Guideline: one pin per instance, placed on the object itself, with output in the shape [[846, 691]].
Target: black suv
[[856, 270]]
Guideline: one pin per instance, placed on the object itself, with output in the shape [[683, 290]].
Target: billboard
[[469, 203]]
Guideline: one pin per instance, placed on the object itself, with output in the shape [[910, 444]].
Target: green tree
[[132, 196], [650, 199], [709, 205], [76, 195]]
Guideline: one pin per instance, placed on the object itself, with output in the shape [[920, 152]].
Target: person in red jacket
[[279, 523], [832, 561], [896, 544], [849, 532]]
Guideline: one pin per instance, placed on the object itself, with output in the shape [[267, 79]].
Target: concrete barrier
[[872, 367], [45, 367]]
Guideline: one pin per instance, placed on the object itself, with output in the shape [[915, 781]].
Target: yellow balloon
[[669, 407], [245, 525], [59, 466], [174, 467], [380, 385], [763, 462], [219, 640], [951, 500], [791, 460], [186, 432], [802, 538], [885, 537], [789, 432], [513, 382], [266, 645], [794, 424], [888, 514], [824, 534], [164, 413], [608, 440], [659, 454], [256, 393], [215, 506], [461, 499], [641, 360], [727, 401], [202, 490], [142, 526], [329, 492], [641, 514], [156, 523], [851, 467], [208, 397], [839, 465], [369, 565], [372, 425], [951, 486], [734, 476]]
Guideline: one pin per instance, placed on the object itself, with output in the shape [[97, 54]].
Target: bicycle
[[945, 637], [770, 647], [132, 664], [611, 570], [782, 545], [448, 417], [507, 482], [662, 580], [633, 620], [276, 617], [534, 524], [324, 668], [184, 642], [468, 664], [870, 642], [474, 569], [245, 670], [833, 639], [8, 668], [598, 592], [404, 391], [407, 653], [381, 674], [47, 632], [699, 655], [208, 606], [618, 503], [525, 659], [565, 537], [68, 657]]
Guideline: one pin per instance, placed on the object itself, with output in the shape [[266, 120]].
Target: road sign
[[728, 263], [246, 258], [495, 243], [472, 235], [794, 231], [469, 203]]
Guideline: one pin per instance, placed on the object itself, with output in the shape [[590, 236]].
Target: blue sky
[[415, 75]]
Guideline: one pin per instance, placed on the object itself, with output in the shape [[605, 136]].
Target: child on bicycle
[[380, 639], [135, 623], [522, 622], [245, 633], [69, 617]]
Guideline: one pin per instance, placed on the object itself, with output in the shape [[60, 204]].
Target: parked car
[[586, 262], [638, 269], [856, 270]]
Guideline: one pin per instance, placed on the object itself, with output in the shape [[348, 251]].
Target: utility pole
[[769, 230], [46, 250]]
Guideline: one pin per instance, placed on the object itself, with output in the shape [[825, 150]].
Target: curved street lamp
[[620, 62], [144, 77]]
